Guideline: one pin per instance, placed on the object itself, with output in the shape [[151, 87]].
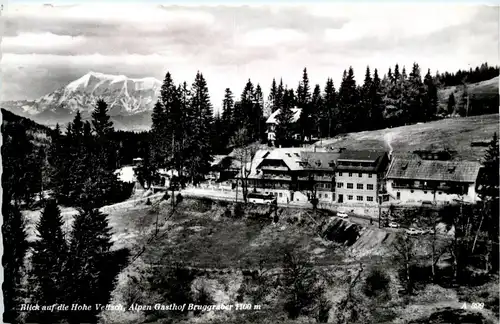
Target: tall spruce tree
[[377, 103], [200, 124], [364, 109], [102, 127], [415, 94], [247, 106], [279, 95], [227, 115], [48, 261], [258, 114], [87, 274], [273, 96], [304, 102], [317, 107], [490, 173], [330, 110], [347, 102], [430, 99], [285, 127], [15, 246]]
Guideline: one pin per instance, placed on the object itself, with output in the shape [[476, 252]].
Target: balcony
[[276, 177], [273, 168]]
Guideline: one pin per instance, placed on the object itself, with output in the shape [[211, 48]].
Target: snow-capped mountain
[[130, 101]]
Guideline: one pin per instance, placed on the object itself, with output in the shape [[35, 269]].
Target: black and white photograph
[[239, 162]]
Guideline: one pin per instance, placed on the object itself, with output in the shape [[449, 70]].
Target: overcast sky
[[46, 46]]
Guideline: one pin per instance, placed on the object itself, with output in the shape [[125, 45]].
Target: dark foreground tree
[[92, 269], [14, 251], [48, 261]]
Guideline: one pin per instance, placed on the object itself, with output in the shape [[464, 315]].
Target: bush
[[166, 196], [227, 213], [376, 283], [239, 211], [179, 198]]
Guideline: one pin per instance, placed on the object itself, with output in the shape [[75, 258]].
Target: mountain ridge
[[130, 100]]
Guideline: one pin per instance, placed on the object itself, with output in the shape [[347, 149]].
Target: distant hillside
[[451, 133], [41, 133], [482, 96]]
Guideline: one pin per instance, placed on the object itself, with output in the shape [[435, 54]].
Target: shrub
[[166, 196], [239, 211], [376, 283], [179, 198]]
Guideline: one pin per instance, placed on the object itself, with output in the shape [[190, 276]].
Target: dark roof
[[319, 160], [361, 156], [377, 159], [458, 171]]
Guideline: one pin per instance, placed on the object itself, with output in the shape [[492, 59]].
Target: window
[[281, 194], [369, 187], [349, 186], [425, 192], [349, 197], [327, 185], [350, 174], [440, 193], [340, 174], [319, 195], [340, 184], [369, 198], [412, 191], [370, 175], [326, 196], [359, 186], [359, 198], [360, 175], [398, 195]]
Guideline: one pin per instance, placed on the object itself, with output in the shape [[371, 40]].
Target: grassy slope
[[481, 89], [452, 133]]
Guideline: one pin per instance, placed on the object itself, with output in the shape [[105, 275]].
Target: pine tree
[[103, 129], [347, 102], [364, 109], [273, 96], [88, 271], [430, 99], [279, 95], [377, 102], [15, 246], [317, 107], [258, 113], [451, 103], [415, 95], [285, 125], [490, 174], [48, 260], [330, 110], [303, 102], [200, 124], [228, 115], [247, 107]]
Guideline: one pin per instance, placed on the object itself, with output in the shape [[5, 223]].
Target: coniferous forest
[[74, 165]]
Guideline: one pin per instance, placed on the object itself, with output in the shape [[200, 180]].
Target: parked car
[[394, 225], [413, 231], [342, 215]]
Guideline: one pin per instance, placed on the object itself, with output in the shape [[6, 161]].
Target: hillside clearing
[[451, 133]]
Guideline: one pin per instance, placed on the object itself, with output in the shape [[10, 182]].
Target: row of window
[[359, 186], [360, 175], [359, 198]]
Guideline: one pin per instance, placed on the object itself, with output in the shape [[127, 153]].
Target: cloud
[[45, 47]]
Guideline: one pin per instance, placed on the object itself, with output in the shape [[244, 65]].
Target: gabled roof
[[218, 159], [457, 171], [377, 160], [273, 118], [319, 160], [361, 156]]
